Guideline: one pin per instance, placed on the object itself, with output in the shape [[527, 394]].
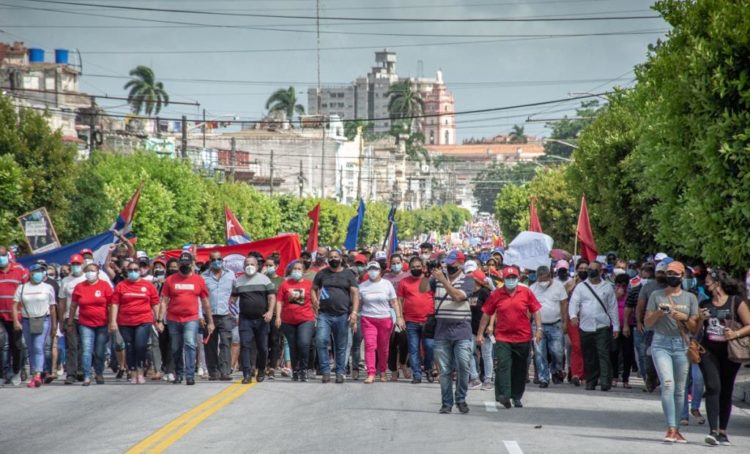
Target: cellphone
[[206, 337], [666, 308]]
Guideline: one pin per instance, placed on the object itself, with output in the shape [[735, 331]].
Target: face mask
[[91, 276], [37, 276], [417, 272], [396, 268], [320, 260], [674, 281], [511, 283], [688, 283], [87, 261], [4, 260], [532, 278], [158, 273], [270, 271], [632, 273], [63, 274], [582, 275], [217, 264], [360, 269], [76, 270], [562, 274], [297, 275], [593, 274], [661, 279], [452, 269], [425, 257], [620, 270], [307, 264], [185, 269], [334, 263], [251, 270], [373, 274], [171, 272], [133, 275]]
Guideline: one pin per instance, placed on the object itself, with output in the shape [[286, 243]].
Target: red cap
[[479, 276], [360, 258], [511, 271], [87, 251], [76, 258]]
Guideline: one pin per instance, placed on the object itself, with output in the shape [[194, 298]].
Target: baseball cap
[[373, 266], [360, 258], [141, 255], [561, 265], [76, 258], [186, 258], [36, 267], [661, 267], [510, 271], [455, 256], [160, 259], [676, 267], [87, 251], [660, 256], [478, 275], [381, 255], [470, 266]]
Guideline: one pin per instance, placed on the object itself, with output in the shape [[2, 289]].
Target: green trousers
[[511, 370]]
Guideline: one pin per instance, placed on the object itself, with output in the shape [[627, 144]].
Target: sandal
[[369, 380], [698, 416], [383, 378], [394, 376]]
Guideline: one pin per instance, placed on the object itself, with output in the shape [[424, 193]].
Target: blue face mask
[[632, 273], [37, 276], [217, 264], [4, 260], [532, 278], [296, 275], [76, 270], [396, 268], [134, 275], [511, 283]]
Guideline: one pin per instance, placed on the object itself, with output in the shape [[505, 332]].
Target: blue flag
[[352, 232], [99, 244]]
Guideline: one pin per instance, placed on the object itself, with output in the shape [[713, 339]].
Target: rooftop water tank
[[36, 55], [61, 56]]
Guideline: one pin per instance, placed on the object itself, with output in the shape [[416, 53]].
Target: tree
[[405, 103], [517, 135], [568, 129], [285, 101], [413, 143], [491, 180], [146, 94], [352, 127]]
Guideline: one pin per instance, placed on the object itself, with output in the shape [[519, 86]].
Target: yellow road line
[[177, 428]]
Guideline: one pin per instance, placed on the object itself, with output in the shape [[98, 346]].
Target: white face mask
[[373, 274], [91, 276], [87, 262], [251, 270]]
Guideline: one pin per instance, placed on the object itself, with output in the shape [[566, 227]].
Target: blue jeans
[[671, 362], [694, 383], [182, 337], [446, 352], [415, 338], [94, 343], [338, 325], [551, 343], [35, 345], [487, 361], [136, 342]]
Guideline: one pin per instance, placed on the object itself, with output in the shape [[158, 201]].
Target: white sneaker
[[16, 380], [476, 384], [168, 377]]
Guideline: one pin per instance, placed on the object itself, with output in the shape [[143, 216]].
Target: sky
[[230, 61]]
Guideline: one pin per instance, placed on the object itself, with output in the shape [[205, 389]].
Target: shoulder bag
[[695, 349], [604, 308], [429, 325], [738, 350]]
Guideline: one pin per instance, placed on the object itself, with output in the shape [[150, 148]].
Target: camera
[[432, 264]]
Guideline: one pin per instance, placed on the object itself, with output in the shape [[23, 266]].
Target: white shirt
[[35, 299], [549, 295], [375, 298], [585, 307]]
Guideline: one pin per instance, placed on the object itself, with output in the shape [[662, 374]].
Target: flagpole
[[575, 240]]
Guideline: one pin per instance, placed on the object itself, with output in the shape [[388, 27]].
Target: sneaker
[[487, 386], [462, 407], [416, 381], [475, 384], [15, 380], [120, 373], [261, 376], [517, 403], [295, 376], [712, 439], [723, 440], [302, 376], [355, 374], [698, 416], [133, 381], [557, 379], [684, 422], [225, 378], [544, 385], [339, 378], [141, 379], [86, 382], [504, 401], [247, 380], [99, 379], [576, 381], [32, 383], [670, 436], [679, 438], [430, 377], [190, 381], [444, 410], [326, 378], [69, 380], [177, 380]]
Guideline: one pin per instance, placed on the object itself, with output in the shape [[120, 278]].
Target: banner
[[38, 230], [529, 250], [286, 245]]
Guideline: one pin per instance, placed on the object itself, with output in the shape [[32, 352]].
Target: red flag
[[312, 236], [235, 234], [534, 225], [583, 232]]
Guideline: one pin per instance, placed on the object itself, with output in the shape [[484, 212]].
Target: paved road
[[285, 417]]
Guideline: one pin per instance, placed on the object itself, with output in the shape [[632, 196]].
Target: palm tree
[[517, 135], [146, 94], [285, 101], [404, 101]]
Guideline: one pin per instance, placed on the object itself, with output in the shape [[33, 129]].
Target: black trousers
[[398, 351], [15, 341], [253, 332], [275, 343], [718, 375], [596, 356], [165, 346], [622, 348], [219, 347]]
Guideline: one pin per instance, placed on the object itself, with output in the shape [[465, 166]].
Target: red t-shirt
[[296, 305], [9, 282], [136, 300], [417, 305], [512, 324], [93, 302], [184, 293]]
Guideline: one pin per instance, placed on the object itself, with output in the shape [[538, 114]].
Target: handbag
[[429, 325], [36, 325], [738, 350], [694, 348]]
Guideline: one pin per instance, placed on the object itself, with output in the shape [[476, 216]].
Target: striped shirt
[[453, 316]]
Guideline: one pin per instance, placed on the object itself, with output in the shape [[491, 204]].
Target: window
[[324, 105], [446, 108], [446, 122], [447, 138]]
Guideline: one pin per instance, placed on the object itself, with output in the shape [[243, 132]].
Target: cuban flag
[[235, 234], [124, 221], [390, 245]]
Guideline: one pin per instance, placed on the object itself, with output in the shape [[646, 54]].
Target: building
[[367, 98]]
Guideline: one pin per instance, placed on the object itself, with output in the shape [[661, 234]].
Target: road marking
[[490, 407], [512, 447], [178, 427]]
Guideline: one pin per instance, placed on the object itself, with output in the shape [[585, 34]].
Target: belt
[[553, 323]]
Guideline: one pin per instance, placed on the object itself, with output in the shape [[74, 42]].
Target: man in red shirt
[[511, 304], [11, 276], [181, 296], [418, 301]]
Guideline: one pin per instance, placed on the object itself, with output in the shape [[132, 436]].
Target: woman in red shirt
[[92, 298], [133, 311], [294, 313]]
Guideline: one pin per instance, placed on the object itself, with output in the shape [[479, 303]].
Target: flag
[[235, 234], [312, 235], [99, 244], [124, 221], [390, 245], [583, 233], [534, 225], [355, 224]]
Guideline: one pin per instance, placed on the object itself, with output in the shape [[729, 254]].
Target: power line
[[67, 93], [354, 19]]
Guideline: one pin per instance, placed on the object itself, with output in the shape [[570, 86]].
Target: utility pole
[[183, 123], [203, 128], [301, 179], [320, 94], [323, 162], [92, 126], [361, 149], [232, 158], [271, 182]]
